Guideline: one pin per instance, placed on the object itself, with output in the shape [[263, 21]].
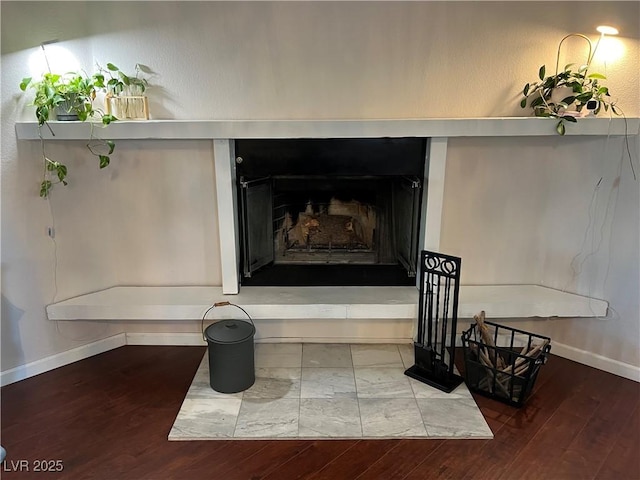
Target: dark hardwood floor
[[107, 417]]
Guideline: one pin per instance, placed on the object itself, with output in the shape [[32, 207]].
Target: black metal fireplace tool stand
[[435, 343]]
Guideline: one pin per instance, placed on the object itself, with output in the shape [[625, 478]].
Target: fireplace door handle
[[244, 183]]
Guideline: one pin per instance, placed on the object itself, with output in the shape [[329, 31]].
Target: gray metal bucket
[[231, 355]]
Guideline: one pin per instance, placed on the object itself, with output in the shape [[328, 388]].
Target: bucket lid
[[229, 331]]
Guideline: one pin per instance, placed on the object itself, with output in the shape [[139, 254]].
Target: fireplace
[[329, 211]]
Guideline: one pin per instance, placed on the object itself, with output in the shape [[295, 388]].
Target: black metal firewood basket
[[504, 363]]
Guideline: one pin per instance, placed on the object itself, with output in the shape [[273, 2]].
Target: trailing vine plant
[[71, 94], [584, 91]]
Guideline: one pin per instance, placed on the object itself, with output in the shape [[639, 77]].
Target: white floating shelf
[[418, 127], [190, 303]]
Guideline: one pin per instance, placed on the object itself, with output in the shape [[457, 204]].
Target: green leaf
[[98, 80], [523, 103], [568, 100], [62, 172], [541, 72], [104, 160], [584, 97], [45, 186], [125, 79], [42, 114], [568, 66], [571, 119], [613, 109], [526, 90], [108, 118], [536, 102], [111, 144], [560, 128], [112, 67], [599, 76], [25, 83]]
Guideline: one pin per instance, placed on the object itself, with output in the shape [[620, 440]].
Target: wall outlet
[[51, 232]]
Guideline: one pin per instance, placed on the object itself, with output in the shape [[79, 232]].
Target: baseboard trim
[[61, 359], [191, 339], [165, 339], [333, 340], [31, 369], [600, 362]]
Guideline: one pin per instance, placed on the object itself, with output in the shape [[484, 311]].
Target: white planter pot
[[65, 111], [560, 94]]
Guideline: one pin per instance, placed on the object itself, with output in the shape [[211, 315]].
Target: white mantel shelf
[[182, 303], [237, 129]]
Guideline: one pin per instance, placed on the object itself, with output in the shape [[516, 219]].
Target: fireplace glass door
[[256, 213], [327, 227]]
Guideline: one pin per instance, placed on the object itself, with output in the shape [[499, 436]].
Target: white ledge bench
[[176, 303]]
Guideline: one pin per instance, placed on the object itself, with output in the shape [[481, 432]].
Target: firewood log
[[491, 373], [526, 356], [521, 370], [487, 339]]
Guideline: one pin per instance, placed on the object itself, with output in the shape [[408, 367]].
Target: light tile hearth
[[328, 391]]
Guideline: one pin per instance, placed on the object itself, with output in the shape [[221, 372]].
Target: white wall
[[150, 218], [561, 212]]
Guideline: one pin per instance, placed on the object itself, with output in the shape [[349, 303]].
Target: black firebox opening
[[329, 212]]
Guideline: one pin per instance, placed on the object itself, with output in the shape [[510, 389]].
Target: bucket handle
[[222, 304]]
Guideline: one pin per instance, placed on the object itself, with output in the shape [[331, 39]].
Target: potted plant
[[125, 93], [71, 95], [567, 95]]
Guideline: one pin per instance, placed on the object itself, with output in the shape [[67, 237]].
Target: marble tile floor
[[328, 391]]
